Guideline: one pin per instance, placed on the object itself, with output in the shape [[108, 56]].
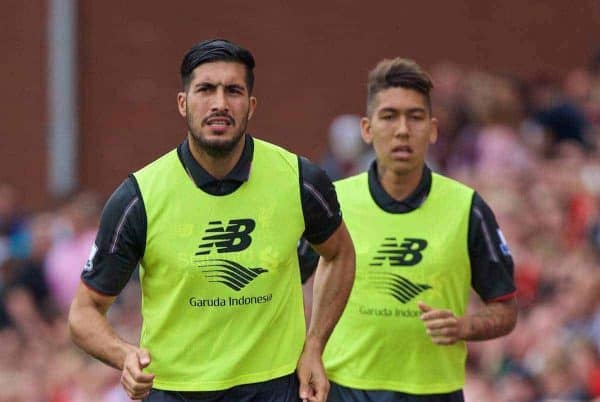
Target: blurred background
[[88, 96]]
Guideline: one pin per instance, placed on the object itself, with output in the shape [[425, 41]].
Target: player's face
[[217, 106], [400, 129]]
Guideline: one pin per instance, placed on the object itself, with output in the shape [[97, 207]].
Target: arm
[[495, 319], [333, 282], [325, 230], [308, 259], [118, 247], [91, 331], [492, 279]]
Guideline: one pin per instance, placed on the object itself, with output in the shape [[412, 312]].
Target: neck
[[399, 185], [217, 166]]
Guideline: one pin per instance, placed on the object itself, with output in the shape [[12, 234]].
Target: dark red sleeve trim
[[503, 297]]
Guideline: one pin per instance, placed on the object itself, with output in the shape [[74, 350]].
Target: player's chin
[[227, 131], [224, 144], [402, 167]]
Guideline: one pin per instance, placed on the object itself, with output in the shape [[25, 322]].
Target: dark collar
[[202, 179], [410, 203]]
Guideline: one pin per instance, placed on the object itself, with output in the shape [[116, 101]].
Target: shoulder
[[311, 172], [275, 153], [481, 210], [158, 163], [352, 185], [441, 180], [352, 180], [124, 195], [450, 191]]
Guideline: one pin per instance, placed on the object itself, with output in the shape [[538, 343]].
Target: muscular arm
[[91, 331], [491, 278], [118, 247], [495, 319], [325, 230], [332, 285], [333, 282], [331, 288]]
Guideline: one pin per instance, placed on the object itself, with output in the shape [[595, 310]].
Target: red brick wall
[[23, 104], [312, 59]]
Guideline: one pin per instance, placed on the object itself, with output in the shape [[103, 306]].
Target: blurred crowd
[[529, 147], [41, 257]]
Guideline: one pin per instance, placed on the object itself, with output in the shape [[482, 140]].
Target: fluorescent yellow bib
[[221, 293], [380, 342]]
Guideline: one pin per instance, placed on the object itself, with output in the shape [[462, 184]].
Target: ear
[[252, 107], [434, 131], [365, 130], [182, 103]]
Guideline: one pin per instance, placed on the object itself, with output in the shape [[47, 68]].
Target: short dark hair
[[213, 50], [398, 72]]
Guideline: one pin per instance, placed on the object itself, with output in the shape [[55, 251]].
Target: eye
[[235, 90], [417, 117]]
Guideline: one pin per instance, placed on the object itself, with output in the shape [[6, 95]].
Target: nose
[[402, 128], [220, 103]]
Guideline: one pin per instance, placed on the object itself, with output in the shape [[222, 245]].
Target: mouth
[[402, 152], [219, 123]]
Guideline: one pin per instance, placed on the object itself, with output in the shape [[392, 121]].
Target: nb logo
[[229, 273], [235, 236], [397, 286], [407, 253]]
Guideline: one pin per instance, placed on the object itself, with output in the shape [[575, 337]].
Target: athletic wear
[[379, 342], [283, 389], [210, 274], [432, 247], [221, 296], [339, 393], [121, 240], [489, 255]]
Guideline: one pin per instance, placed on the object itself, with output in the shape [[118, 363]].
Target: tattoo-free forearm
[[493, 320], [332, 285], [91, 331]]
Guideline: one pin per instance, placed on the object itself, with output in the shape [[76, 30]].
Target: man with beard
[[422, 242], [214, 226]]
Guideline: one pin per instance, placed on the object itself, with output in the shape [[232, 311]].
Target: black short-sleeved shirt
[[121, 239], [491, 263]]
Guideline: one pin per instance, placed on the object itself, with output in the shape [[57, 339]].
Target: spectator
[[67, 257]]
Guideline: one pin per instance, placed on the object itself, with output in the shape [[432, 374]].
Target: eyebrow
[[216, 84], [395, 110]]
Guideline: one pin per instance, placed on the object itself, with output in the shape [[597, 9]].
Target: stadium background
[[503, 71]]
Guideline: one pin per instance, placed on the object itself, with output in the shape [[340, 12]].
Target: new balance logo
[[227, 239], [406, 253], [229, 273], [397, 286]]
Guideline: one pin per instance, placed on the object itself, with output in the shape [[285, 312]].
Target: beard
[[219, 147]]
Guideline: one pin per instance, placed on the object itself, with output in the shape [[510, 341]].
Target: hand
[[137, 384], [314, 385], [443, 327]]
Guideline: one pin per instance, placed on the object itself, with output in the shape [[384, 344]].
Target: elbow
[[513, 321], [351, 258], [512, 317], [350, 267], [72, 322]]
